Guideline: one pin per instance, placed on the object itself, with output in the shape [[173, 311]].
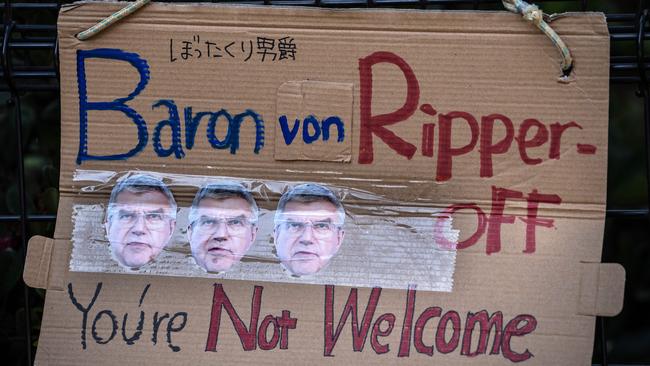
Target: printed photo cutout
[[140, 220], [296, 232], [222, 225], [308, 228]]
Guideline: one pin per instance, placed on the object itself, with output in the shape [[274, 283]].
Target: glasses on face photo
[[235, 225], [153, 219], [321, 229]]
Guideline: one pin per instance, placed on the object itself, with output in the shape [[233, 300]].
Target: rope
[[110, 20], [531, 13]]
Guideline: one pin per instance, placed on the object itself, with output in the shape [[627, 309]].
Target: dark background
[[29, 98]]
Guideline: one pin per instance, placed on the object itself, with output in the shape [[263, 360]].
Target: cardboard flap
[[46, 263], [601, 289], [37, 264]]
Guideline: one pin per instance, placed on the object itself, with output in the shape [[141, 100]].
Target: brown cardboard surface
[[39, 251], [469, 67], [601, 292], [313, 98]]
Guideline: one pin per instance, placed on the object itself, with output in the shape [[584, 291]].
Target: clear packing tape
[[533, 14], [258, 230]]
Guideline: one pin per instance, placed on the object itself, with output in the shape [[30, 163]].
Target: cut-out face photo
[[140, 220], [223, 226], [308, 228]]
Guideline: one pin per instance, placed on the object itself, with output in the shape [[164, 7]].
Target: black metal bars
[[22, 38]]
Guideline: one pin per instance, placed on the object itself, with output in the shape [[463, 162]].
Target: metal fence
[[28, 66]]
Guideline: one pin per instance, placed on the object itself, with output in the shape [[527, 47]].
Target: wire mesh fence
[[29, 133]]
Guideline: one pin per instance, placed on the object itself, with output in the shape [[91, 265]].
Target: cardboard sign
[[399, 113]]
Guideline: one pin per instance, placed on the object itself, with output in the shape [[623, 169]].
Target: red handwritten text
[[530, 134], [450, 333]]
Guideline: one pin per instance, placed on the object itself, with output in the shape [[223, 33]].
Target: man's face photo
[[222, 232], [307, 235], [139, 225]]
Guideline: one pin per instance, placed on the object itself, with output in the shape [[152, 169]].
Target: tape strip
[[364, 239], [531, 13], [110, 20]]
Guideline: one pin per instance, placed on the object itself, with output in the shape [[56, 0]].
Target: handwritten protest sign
[[464, 189]]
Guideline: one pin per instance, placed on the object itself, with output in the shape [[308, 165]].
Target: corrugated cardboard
[[368, 257], [536, 298]]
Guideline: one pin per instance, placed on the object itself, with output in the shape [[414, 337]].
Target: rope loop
[[533, 14], [530, 12]]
